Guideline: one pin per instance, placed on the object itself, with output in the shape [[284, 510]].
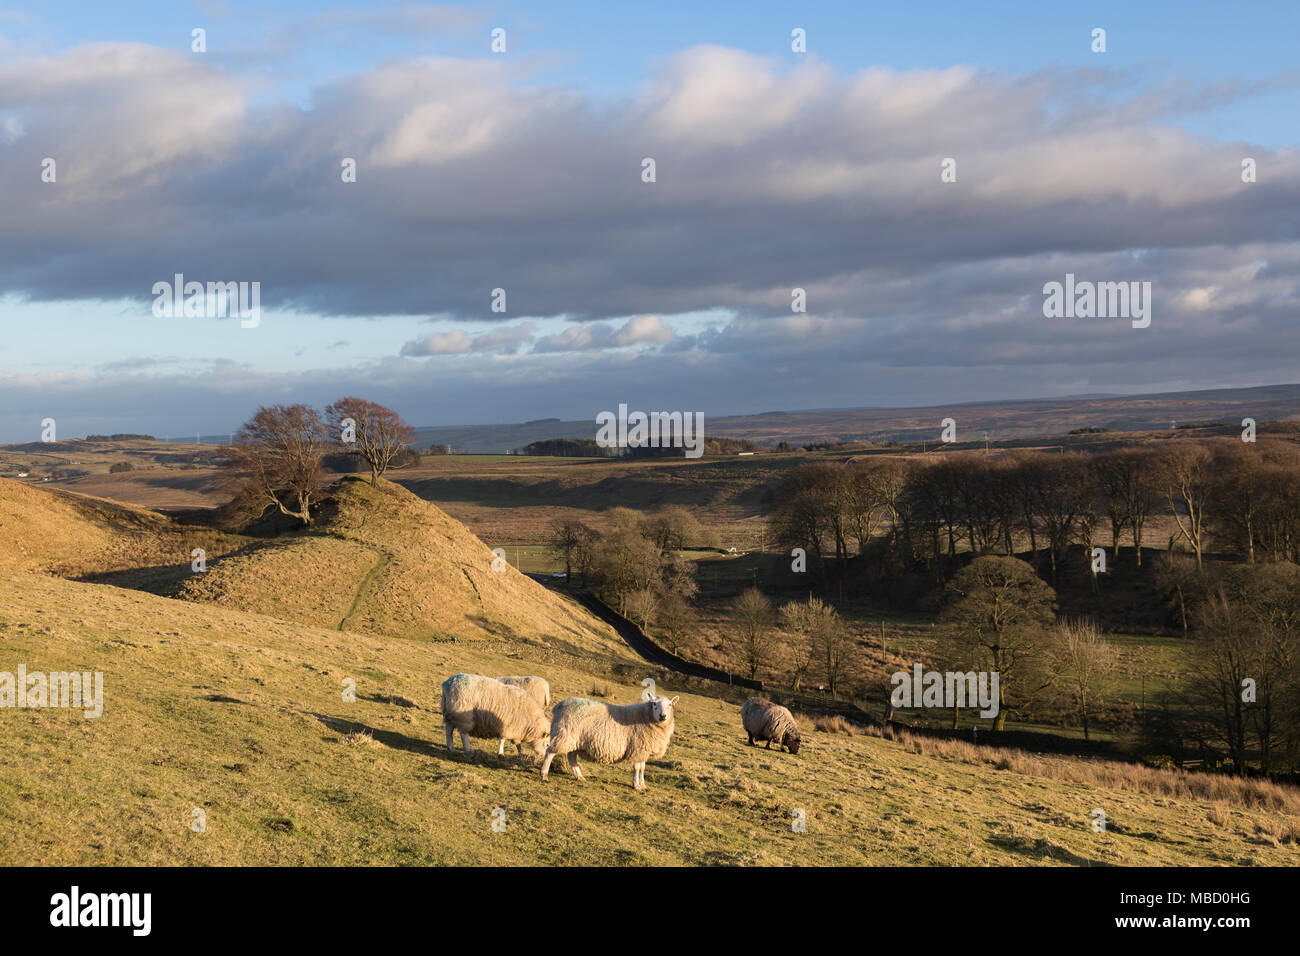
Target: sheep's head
[[791, 741], [661, 709], [539, 734]]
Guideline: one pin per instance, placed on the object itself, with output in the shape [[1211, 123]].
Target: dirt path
[[380, 564]]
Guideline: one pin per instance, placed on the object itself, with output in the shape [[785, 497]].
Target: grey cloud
[[768, 179]]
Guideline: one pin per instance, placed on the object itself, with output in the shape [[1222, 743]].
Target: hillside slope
[[73, 535], [243, 718], [380, 560]]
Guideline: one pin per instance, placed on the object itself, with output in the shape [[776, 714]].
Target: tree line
[[1242, 498]]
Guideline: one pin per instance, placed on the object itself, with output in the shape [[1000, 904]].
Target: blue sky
[[521, 170], [607, 48]]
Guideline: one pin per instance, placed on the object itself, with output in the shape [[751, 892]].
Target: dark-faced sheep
[[765, 720], [610, 733], [481, 706]]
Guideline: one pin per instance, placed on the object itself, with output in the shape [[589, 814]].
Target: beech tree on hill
[[378, 434], [274, 459]]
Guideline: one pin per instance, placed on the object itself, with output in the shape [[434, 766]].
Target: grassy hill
[[76, 535], [379, 560], [242, 716], [231, 702]]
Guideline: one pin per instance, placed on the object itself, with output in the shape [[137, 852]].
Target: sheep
[[536, 687], [610, 733], [481, 706], [768, 721]]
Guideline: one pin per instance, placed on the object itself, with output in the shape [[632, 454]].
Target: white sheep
[[765, 720], [536, 687], [481, 706], [610, 733]]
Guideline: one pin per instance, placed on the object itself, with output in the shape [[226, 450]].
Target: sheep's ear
[[673, 702]]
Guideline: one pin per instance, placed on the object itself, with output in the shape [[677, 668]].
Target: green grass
[[242, 716]]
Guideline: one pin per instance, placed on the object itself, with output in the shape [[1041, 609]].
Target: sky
[[523, 170]]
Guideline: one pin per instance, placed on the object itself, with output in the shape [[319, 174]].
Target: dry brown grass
[[829, 723], [379, 560], [1111, 774]]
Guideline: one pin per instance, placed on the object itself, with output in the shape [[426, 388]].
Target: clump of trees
[[635, 564], [276, 458], [1243, 696], [805, 637], [936, 513]]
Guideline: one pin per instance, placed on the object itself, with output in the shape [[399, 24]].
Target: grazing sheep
[[609, 733], [481, 706], [536, 687], [765, 720]]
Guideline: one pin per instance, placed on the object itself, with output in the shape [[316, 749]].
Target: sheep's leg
[[769, 745], [638, 776], [573, 765], [464, 741], [451, 736], [546, 763], [501, 747], [751, 740]]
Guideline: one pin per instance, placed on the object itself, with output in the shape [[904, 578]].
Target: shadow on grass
[[1041, 849], [398, 741], [389, 738]]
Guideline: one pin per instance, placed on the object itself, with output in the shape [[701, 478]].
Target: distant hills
[[1009, 419]]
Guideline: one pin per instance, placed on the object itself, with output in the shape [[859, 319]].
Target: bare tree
[[640, 606], [625, 561], [674, 619], [378, 434], [1188, 481], [568, 537], [753, 619], [1081, 661], [816, 636], [1000, 607], [275, 459], [1239, 495], [834, 648], [798, 622]]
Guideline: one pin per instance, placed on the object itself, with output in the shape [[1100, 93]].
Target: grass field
[[241, 716], [230, 702]]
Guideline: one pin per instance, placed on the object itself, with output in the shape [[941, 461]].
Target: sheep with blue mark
[[610, 733], [481, 706]]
